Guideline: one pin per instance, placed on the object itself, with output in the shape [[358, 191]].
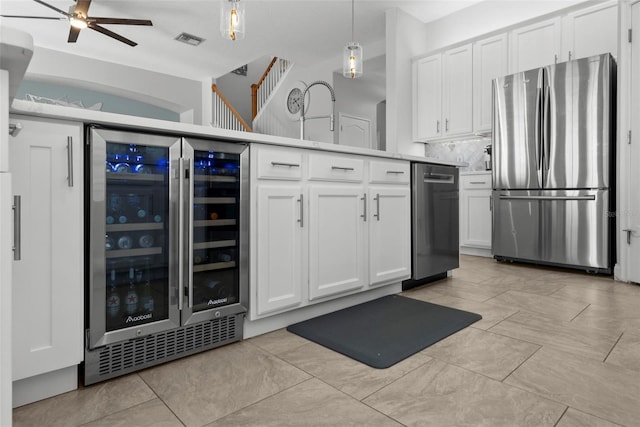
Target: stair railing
[[224, 115], [261, 91]]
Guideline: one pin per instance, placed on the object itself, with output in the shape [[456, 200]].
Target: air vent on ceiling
[[189, 39]]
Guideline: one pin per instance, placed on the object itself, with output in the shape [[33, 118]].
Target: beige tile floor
[[554, 348]]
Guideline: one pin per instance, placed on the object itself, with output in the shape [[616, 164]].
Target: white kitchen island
[[329, 225]]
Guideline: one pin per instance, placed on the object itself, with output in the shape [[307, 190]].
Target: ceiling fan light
[[352, 60], [232, 19], [77, 22]]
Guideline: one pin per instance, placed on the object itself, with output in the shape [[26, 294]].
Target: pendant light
[[232, 19], [352, 57]]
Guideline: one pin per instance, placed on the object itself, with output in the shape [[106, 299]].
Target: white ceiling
[[304, 31]]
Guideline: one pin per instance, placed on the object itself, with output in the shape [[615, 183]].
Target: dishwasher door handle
[[439, 178]]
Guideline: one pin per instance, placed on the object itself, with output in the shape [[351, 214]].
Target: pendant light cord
[[352, 19]]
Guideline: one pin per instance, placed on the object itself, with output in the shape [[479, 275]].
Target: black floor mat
[[382, 332]]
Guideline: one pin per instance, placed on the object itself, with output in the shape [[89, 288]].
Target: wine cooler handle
[[188, 176], [17, 227], [180, 235], [70, 160]]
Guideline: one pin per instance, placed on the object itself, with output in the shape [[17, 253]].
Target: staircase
[[225, 116]]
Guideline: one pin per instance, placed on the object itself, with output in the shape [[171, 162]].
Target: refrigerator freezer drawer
[[555, 227]]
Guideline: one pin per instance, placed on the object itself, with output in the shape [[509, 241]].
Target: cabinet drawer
[[279, 164], [334, 168], [476, 181], [386, 172]]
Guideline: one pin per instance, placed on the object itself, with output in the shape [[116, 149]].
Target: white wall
[[181, 95], [406, 38]]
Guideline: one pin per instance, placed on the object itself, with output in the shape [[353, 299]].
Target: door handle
[[377, 214], [341, 168], [503, 197], [437, 126], [364, 201], [17, 227], [188, 174], [301, 219], [70, 160], [289, 165], [446, 125], [629, 233]]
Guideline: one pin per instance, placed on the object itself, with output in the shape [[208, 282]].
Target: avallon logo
[[217, 301], [137, 318]]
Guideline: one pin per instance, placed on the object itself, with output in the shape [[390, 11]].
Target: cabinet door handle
[[477, 182], [301, 201], [341, 168], [395, 172], [569, 55], [17, 227], [289, 165], [438, 126], [364, 201], [70, 160], [446, 125], [377, 214]]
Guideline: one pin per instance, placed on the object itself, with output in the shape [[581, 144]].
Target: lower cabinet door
[[280, 236], [46, 166], [336, 239], [389, 234]]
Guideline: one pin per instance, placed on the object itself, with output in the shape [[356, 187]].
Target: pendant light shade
[[352, 56], [232, 19]]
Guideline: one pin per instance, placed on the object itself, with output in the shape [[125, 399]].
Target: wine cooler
[[168, 254]]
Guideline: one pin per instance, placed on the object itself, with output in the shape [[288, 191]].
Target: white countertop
[[186, 129]]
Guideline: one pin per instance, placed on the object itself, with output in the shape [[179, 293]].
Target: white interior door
[[354, 131], [633, 221]]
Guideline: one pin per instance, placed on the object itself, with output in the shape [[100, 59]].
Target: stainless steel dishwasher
[[435, 223]]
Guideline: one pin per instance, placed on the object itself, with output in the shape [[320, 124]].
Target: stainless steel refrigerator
[[553, 172]]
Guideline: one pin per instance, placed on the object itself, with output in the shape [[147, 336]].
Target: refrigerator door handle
[[546, 125], [538, 128], [190, 183], [505, 197]]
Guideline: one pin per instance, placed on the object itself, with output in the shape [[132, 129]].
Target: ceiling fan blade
[[74, 32], [33, 17], [82, 7], [122, 21], [109, 33], [52, 7]]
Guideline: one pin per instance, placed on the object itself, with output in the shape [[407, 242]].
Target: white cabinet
[[427, 98], [324, 225], [280, 245], [336, 239], [475, 213], [591, 31], [442, 91], [535, 45], [457, 111], [46, 163], [490, 60]]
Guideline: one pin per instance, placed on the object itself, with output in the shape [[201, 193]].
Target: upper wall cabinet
[[442, 90], [591, 31], [535, 45], [489, 62]]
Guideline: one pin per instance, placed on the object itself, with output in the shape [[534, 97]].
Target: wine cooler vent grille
[[122, 358]]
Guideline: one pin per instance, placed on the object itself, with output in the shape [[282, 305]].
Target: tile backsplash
[[470, 151]]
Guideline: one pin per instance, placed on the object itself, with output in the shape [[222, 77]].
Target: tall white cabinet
[[48, 276], [489, 61]]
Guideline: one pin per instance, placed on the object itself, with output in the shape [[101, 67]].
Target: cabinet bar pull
[[377, 199], [70, 160], [438, 126], [301, 201], [395, 172], [17, 227], [477, 182], [364, 201], [341, 168], [289, 165], [446, 125]]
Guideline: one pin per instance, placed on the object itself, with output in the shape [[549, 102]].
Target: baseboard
[[484, 252], [32, 389]]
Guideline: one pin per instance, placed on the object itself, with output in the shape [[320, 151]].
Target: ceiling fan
[[79, 19]]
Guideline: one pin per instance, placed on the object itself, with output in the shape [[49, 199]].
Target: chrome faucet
[[333, 107]]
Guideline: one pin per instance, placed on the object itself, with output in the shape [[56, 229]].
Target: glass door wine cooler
[[168, 248]]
